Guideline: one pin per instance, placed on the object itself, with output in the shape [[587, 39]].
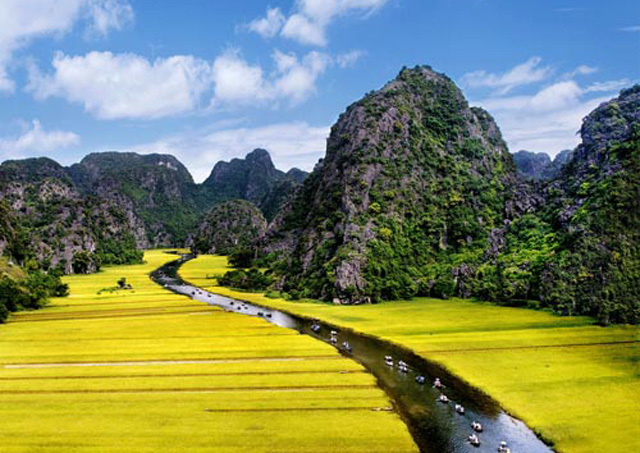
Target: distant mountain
[[253, 178], [531, 165], [539, 166], [49, 223], [228, 225], [156, 188], [110, 205]]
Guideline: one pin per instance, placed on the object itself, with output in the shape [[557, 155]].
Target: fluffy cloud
[[309, 22], [548, 120], [294, 80], [23, 21], [268, 26], [523, 74], [295, 144], [126, 85], [114, 86], [34, 140]]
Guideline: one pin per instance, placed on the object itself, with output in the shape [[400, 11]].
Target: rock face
[[417, 195], [595, 205], [229, 225], [411, 172], [156, 188], [531, 165], [49, 222], [253, 178], [539, 166], [112, 204]]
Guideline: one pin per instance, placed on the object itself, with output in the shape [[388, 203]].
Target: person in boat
[[460, 409], [503, 448], [420, 379], [443, 398], [437, 384], [476, 426], [474, 440]]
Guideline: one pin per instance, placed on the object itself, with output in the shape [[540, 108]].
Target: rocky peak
[[530, 164], [412, 155]]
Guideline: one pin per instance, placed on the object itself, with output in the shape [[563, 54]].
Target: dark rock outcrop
[[229, 225]]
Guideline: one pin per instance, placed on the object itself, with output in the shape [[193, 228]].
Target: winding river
[[436, 427]]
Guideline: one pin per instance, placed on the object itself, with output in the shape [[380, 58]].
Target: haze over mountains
[[417, 195]]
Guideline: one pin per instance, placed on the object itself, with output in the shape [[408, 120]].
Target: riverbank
[[147, 370], [572, 381]]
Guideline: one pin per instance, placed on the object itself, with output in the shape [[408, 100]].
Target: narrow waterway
[[435, 426]]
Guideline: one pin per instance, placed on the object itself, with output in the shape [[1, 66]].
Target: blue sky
[[208, 80]]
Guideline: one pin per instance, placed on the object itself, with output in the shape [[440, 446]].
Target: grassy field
[[146, 370], [574, 382]]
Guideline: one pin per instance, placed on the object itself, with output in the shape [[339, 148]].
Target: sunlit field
[[575, 383], [146, 370]]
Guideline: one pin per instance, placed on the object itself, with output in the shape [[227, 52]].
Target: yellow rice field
[[576, 383], [146, 370]]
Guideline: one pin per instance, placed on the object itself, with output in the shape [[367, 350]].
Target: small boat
[[402, 366], [333, 340], [476, 426], [268, 315], [503, 448], [474, 440], [315, 327], [420, 379], [347, 346], [443, 399], [388, 360], [460, 409], [437, 384], [334, 333]]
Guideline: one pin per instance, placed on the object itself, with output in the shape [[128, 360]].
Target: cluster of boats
[[333, 337], [476, 426]]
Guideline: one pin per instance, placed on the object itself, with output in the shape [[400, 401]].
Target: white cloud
[[305, 31], [105, 15], [34, 140], [309, 22], [348, 59], [632, 29], [115, 86], [268, 26], [547, 120], [295, 144], [296, 80], [126, 85], [238, 82], [580, 70], [22, 21], [609, 85], [523, 74]]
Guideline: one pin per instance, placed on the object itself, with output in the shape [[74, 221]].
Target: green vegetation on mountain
[[254, 179], [232, 224], [418, 196], [46, 223], [111, 205]]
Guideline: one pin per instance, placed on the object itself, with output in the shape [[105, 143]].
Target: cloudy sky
[[207, 80]]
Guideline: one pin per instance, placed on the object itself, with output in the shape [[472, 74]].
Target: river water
[[436, 427]]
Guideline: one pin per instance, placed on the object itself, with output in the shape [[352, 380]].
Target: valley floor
[[575, 383], [146, 370]]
